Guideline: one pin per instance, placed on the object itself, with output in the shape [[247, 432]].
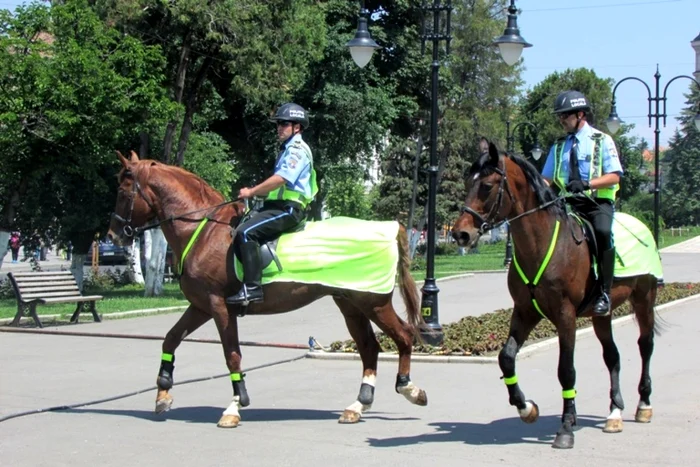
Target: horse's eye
[[485, 187]]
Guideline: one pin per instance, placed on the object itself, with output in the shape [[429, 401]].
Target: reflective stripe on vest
[[285, 194], [595, 168]]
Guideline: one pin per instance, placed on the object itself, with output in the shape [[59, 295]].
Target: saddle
[[588, 235]]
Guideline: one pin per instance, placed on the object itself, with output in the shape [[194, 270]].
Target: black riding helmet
[[571, 101], [292, 112]]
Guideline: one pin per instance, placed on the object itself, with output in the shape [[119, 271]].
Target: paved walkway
[[689, 246]]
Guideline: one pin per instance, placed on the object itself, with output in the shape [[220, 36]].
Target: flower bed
[[485, 334]]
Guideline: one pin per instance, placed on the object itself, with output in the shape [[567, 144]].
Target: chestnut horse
[[151, 192], [553, 273]]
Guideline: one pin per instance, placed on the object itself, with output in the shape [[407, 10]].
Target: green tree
[[680, 204], [73, 90]]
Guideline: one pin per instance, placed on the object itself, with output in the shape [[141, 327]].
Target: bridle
[[128, 230], [488, 223]]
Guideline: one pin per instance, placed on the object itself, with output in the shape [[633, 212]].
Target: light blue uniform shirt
[[294, 165], [611, 160]]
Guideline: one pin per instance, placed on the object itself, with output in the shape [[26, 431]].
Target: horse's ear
[[123, 160], [134, 156], [493, 154]]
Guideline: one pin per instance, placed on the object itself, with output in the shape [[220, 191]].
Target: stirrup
[[602, 299], [246, 296]]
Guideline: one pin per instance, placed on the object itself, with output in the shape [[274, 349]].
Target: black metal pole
[[429, 303], [657, 132], [510, 144]]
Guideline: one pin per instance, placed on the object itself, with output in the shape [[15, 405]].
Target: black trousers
[[274, 219], [600, 215]]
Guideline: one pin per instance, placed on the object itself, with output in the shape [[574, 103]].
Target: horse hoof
[[643, 415], [613, 425], [229, 421], [533, 415], [563, 441], [163, 402], [350, 416], [422, 398]]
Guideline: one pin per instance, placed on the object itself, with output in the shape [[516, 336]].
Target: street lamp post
[[536, 152], [433, 335], [362, 46], [613, 122]]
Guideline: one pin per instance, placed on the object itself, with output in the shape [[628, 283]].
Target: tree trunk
[[190, 109], [179, 89], [134, 262], [76, 267], [155, 246], [4, 238], [144, 144]]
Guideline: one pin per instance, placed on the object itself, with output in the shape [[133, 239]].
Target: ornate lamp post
[[536, 152], [362, 46], [613, 122], [511, 43]]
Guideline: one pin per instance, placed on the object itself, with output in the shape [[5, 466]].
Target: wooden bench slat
[[18, 275], [89, 298], [34, 296], [49, 289], [37, 280]]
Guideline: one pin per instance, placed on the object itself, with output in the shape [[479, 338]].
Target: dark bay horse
[[152, 192], [555, 273]]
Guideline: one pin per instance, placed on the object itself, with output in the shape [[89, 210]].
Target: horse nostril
[[461, 237]]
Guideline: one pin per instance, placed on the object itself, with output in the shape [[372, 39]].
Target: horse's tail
[[409, 291]]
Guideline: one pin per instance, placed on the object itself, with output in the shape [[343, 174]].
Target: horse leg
[[367, 346], [521, 324], [566, 329], [603, 330], [227, 325], [644, 312], [402, 334], [189, 322]]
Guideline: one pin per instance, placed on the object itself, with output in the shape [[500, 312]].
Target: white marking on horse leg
[[526, 411], [358, 407], [643, 405], [232, 409], [615, 414], [370, 379], [410, 392]]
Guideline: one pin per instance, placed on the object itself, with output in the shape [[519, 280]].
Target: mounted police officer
[[287, 194], [586, 161]]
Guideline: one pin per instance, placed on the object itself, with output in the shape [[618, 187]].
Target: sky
[[615, 38]]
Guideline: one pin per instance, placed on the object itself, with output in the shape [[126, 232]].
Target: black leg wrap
[[568, 416], [240, 390], [165, 375], [401, 381], [366, 395]]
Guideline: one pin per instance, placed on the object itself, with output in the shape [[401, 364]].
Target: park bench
[[40, 288]]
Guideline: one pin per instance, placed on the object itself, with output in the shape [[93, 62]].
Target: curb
[[104, 316], [524, 352]]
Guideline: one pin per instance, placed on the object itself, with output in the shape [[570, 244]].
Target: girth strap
[[531, 285]]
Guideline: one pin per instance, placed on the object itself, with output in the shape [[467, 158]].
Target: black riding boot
[[252, 276], [607, 271]]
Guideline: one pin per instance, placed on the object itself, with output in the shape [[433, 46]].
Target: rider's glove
[[578, 186]]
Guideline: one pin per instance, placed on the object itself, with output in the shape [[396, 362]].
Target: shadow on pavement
[[498, 432], [211, 415]]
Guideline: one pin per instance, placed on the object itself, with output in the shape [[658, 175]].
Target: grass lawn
[[126, 298], [669, 237], [488, 258]]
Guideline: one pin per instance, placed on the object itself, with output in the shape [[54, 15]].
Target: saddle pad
[[635, 248], [339, 252]]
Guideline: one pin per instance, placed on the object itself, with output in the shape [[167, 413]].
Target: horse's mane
[[192, 192], [543, 192]]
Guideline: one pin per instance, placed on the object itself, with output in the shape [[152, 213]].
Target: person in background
[[14, 246]]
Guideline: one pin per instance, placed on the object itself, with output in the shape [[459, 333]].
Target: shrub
[[479, 335]]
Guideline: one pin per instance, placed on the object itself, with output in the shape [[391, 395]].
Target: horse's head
[[489, 199], [133, 208]]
